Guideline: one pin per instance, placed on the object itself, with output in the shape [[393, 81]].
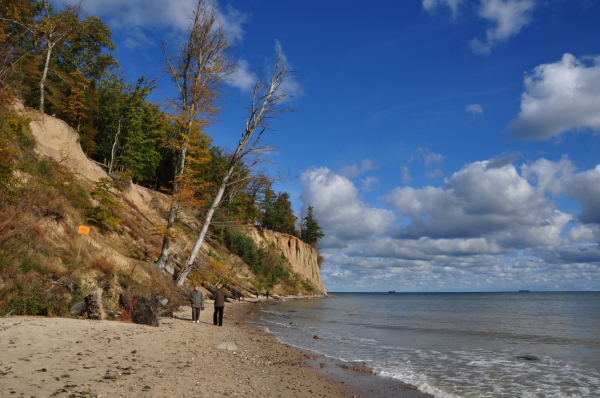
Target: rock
[[78, 308], [112, 296], [528, 357], [361, 367], [266, 330], [93, 304], [226, 346], [316, 337], [146, 311]]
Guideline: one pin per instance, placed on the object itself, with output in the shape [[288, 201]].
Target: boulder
[[78, 308], [112, 295], [146, 311], [93, 304]]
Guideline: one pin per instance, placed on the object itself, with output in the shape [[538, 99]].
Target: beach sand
[[42, 357]]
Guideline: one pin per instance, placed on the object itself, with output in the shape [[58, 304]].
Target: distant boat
[[523, 291], [392, 291]]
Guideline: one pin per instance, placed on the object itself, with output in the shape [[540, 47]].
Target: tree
[[265, 100], [311, 232], [276, 212], [198, 71], [55, 28]]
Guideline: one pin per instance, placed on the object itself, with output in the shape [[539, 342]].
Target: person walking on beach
[[197, 302], [219, 305], [267, 294], [257, 294]]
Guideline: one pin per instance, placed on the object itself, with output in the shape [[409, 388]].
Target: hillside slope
[[143, 213]]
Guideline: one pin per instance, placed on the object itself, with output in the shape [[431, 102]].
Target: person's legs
[[195, 314], [215, 315], [220, 310]]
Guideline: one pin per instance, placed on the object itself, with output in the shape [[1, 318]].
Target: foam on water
[[449, 371]]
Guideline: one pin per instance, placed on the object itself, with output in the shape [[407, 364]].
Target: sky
[[445, 145]]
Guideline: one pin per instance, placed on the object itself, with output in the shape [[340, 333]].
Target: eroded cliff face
[[302, 257]]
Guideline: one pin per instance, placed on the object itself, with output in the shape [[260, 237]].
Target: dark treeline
[[60, 61]]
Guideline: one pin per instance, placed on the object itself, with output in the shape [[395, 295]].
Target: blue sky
[[446, 145]]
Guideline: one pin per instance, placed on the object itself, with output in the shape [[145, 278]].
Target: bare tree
[[198, 71], [265, 99]]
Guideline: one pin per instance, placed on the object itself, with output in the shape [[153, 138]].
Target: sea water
[[456, 344]]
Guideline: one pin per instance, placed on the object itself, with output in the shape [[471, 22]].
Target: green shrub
[[32, 303]]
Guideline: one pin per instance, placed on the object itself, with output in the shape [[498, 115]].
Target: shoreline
[[355, 383], [87, 358]]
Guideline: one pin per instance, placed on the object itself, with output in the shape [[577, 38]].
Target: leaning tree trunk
[[207, 220]]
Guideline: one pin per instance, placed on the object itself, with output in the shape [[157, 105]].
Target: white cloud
[[559, 97], [490, 226], [339, 210], [432, 5], [370, 183], [406, 178], [354, 171], [508, 16], [585, 233], [475, 109], [430, 158], [242, 78], [133, 15]]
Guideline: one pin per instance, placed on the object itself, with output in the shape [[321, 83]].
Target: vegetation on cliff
[[60, 61]]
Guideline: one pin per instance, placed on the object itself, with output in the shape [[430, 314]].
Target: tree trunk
[[113, 149], [44, 75], [164, 251], [207, 220]]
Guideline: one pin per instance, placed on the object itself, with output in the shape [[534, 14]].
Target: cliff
[[302, 257], [145, 208]]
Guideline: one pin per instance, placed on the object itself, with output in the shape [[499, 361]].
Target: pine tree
[[311, 231]]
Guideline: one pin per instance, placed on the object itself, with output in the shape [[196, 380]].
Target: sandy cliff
[[56, 140], [302, 257]]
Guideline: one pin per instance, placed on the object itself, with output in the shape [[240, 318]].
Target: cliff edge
[[302, 257]]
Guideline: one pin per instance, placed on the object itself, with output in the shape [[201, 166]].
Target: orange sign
[[83, 230]]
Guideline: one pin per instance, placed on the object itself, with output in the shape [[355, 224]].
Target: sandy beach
[[63, 357]]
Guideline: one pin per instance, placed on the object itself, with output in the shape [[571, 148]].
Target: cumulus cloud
[[432, 5], [489, 226], [561, 178], [559, 97], [355, 171], [503, 160], [477, 201], [475, 109], [508, 18], [339, 210], [133, 15]]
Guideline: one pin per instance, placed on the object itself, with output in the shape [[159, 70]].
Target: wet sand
[[41, 357]]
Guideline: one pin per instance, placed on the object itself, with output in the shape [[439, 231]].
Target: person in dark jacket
[[197, 303], [219, 305]]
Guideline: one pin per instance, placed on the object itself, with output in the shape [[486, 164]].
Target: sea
[[455, 344]]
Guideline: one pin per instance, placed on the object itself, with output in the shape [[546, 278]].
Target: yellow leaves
[[212, 273]]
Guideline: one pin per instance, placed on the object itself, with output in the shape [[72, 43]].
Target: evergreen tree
[[311, 231]]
